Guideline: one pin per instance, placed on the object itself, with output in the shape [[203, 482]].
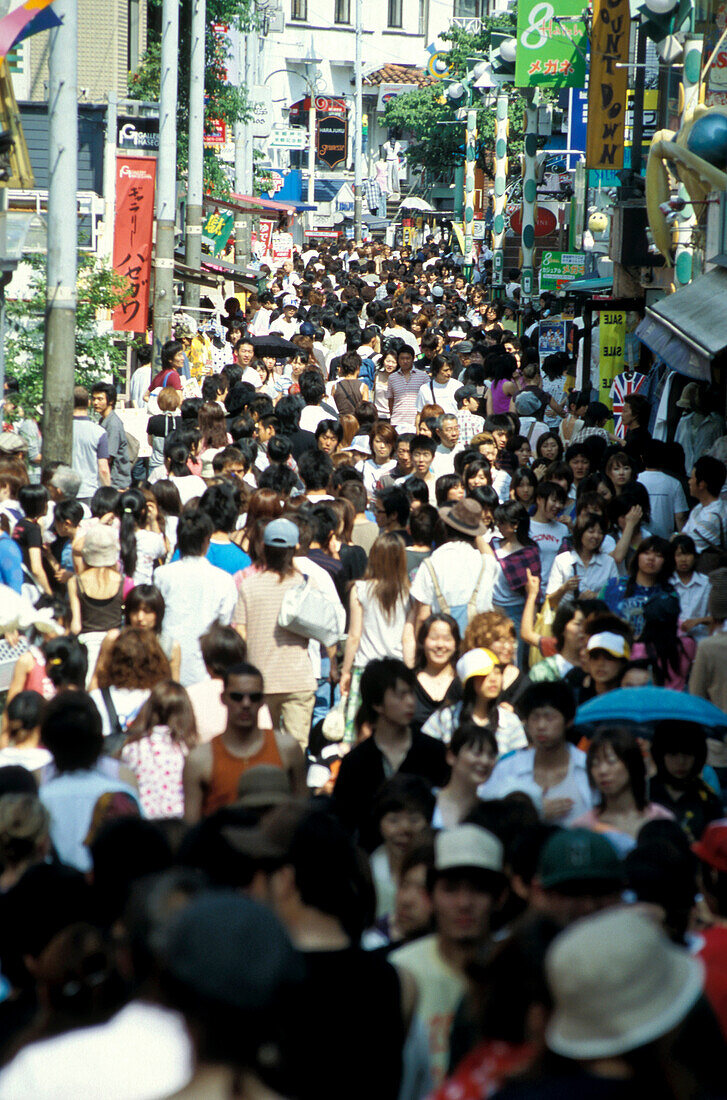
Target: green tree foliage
[[98, 352], [439, 145], [222, 99]]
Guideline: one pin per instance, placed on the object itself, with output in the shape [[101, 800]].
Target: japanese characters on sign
[[551, 46], [217, 231], [559, 268], [135, 179], [608, 84]]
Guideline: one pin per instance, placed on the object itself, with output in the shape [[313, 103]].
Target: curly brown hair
[[136, 661], [486, 628]]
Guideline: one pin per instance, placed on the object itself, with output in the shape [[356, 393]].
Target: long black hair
[[132, 513], [665, 649], [515, 513], [663, 577]]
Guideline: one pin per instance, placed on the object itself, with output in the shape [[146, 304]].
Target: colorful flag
[[623, 386], [21, 22]]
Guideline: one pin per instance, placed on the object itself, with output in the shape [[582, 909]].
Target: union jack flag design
[[622, 386]]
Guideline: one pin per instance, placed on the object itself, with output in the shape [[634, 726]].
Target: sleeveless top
[[500, 400], [227, 769], [100, 614]]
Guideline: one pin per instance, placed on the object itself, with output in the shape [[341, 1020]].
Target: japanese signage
[[261, 105], [217, 230], [559, 268], [650, 116], [135, 179], [551, 46], [332, 140], [288, 137], [141, 134], [262, 242], [612, 336], [608, 85], [215, 132]]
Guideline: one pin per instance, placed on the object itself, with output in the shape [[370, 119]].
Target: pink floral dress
[[157, 762]]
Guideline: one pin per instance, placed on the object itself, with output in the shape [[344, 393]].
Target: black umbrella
[[274, 346]]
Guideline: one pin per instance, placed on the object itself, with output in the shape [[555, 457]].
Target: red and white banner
[[135, 179]]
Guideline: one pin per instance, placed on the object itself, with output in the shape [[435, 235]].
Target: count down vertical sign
[[608, 84]]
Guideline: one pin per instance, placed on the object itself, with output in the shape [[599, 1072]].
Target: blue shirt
[[11, 563], [226, 556]]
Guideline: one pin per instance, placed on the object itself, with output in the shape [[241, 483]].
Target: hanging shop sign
[[217, 231], [332, 140], [612, 339], [138, 134], [608, 84], [134, 219], [559, 268], [551, 45]]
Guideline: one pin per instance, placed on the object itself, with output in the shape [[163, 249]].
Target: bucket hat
[[465, 516]]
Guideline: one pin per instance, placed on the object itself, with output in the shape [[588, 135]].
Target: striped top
[[404, 392], [281, 656]]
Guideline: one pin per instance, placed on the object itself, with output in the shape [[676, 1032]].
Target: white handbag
[[305, 610]]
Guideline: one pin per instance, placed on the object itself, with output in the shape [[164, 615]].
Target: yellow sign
[[21, 172], [608, 84], [612, 338]]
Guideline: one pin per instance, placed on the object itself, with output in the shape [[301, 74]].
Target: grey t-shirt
[[90, 443], [118, 452]]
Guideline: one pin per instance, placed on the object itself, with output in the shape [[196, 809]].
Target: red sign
[[262, 243], [216, 134], [331, 105], [135, 179], [545, 222]]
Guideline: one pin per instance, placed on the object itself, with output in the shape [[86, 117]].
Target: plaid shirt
[[373, 193], [470, 425], [515, 566]]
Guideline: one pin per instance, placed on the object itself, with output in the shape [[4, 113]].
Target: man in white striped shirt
[[404, 385]]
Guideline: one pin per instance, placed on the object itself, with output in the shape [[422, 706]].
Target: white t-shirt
[[311, 417], [127, 701], [149, 548], [666, 497], [549, 539], [380, 636], [195, 593], [515, 773], [438, 393], [372, 472], [189, 487], [458, 567]]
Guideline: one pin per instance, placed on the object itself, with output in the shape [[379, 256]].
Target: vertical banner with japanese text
[[135, 179], [608, 84]]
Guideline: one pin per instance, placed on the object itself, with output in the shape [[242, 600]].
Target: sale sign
[[135, 180]]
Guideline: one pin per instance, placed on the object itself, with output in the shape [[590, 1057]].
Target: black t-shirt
[[161, 425], [28, 536], [348, 1032]]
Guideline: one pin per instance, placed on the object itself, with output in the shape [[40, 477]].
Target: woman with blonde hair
[[378, 610], [494, 631], [425, 414], [24, 836], [159, 740], [158, 427], [350, 426]]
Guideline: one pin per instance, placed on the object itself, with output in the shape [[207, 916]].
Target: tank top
[[100, 614], [500, 400], [227, 769]]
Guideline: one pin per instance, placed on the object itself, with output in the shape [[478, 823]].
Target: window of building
[[468, 9], [299, 10], [395, 7], [343, 11], [423, 16]]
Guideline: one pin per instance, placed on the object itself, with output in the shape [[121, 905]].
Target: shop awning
[[187, 274], [688, 329], [254, 204]]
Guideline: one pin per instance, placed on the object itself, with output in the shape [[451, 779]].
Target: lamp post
[[530, 191], [498, 224]]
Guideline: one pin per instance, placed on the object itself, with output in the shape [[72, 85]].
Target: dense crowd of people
[[364, 731]]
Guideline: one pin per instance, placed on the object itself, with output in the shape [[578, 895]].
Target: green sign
[[559, 268], [217, 230], [551, 47]]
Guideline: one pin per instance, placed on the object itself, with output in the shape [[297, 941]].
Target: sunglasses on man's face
[[238, 696]]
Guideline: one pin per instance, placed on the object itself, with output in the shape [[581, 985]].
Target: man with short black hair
[[90, 448], [391, 508], [403, 389], [707, 521], [103, 398]]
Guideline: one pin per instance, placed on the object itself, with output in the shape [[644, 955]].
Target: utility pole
[[166, 198], [498, 222], [195, 167], [243, 141], [60, 312], [529, 194], [358, 133], [109, 170], [311, 150]]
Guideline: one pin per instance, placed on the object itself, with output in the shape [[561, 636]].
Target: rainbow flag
[[27, 17]]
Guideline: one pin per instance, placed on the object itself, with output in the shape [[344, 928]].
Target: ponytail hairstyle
[[132, 513]]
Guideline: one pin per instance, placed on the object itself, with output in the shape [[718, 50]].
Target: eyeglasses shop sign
[[141, 134]]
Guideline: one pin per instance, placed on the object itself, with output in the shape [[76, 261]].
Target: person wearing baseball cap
[[711, 851], [579, 873], [466, 886]]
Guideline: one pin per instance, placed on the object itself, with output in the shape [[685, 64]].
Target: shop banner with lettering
[[217, 231], [612, 338], [557, 269], [550, 53], [135, 179], [608, 84]]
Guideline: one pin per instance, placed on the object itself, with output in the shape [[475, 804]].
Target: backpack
[[461, 613]]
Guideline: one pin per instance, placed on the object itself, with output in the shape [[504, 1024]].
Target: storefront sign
[[332, 140], [545, 221], [139, 134], [559, 268], [552, 338], [608, 85], [282, 247], [551, 45], [134, 220]]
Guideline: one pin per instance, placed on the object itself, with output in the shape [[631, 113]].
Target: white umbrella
[[414, 203]]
